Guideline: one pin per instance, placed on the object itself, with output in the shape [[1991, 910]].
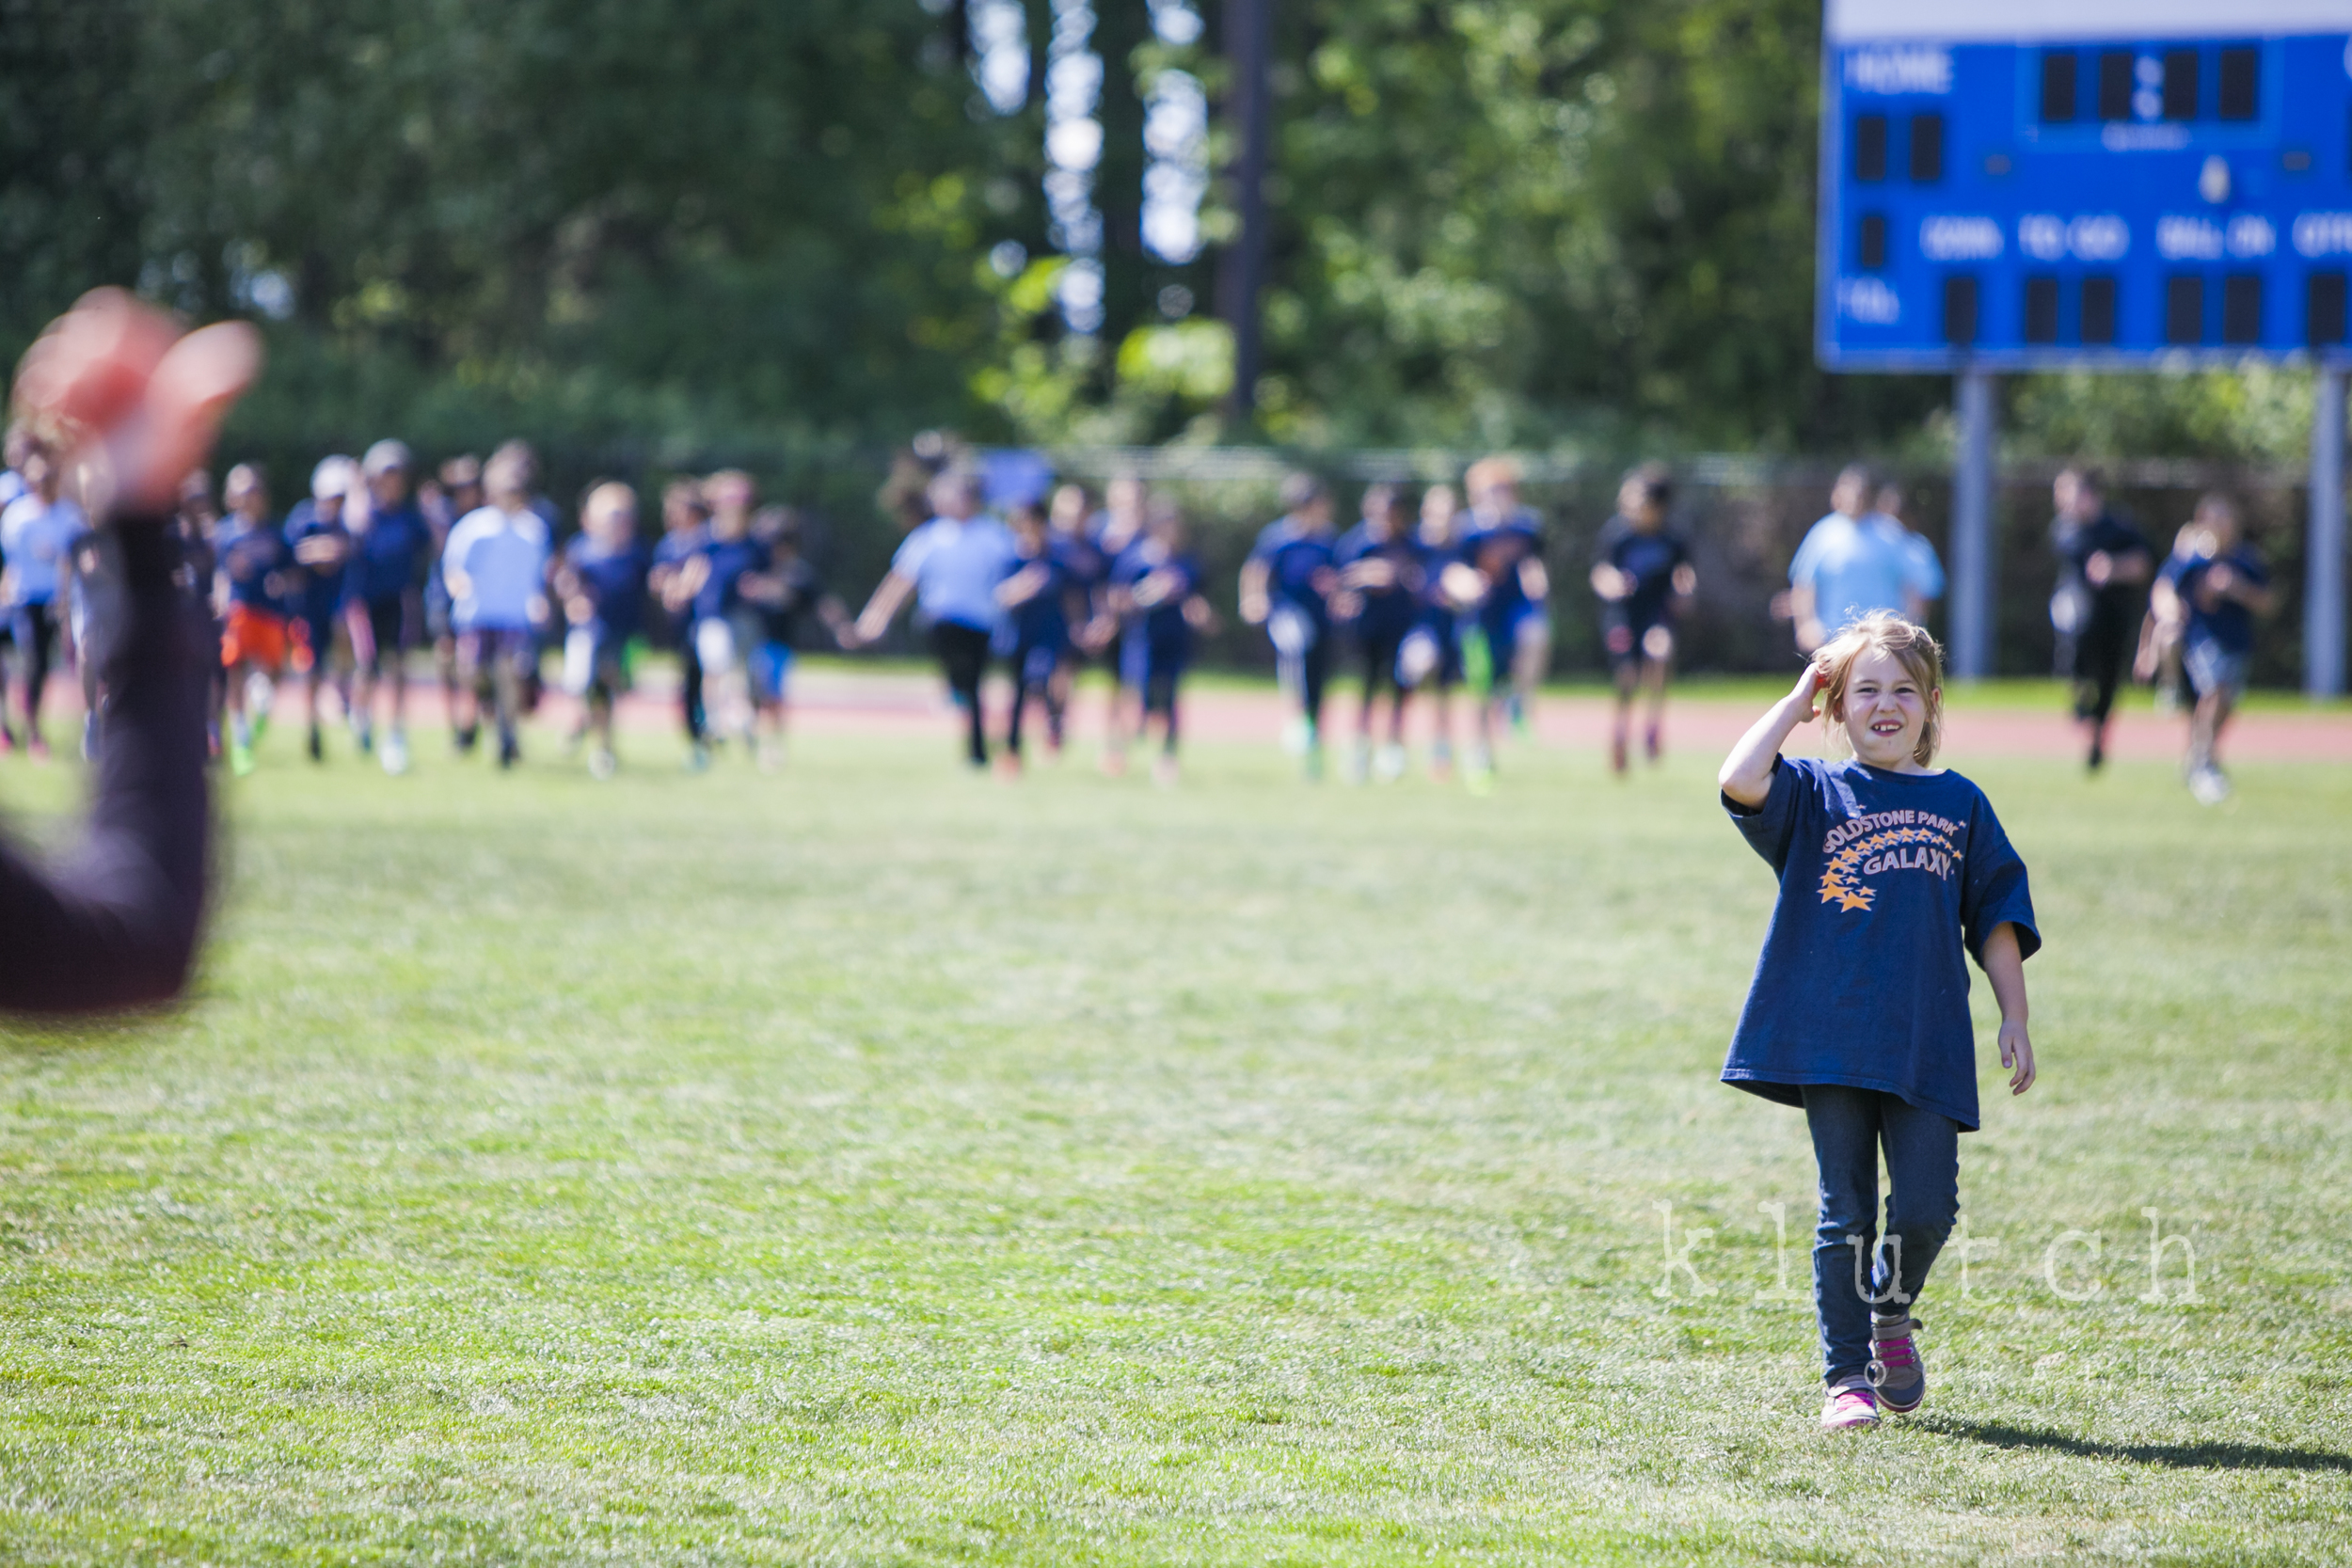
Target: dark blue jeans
[[1851, 1271]]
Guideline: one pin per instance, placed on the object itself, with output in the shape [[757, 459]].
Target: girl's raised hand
[[1808, 691]]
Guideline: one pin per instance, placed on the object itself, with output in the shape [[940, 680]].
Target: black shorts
[[1622, 638], [388, 631]]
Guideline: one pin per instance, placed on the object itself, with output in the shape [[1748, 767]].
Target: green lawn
[[878, 1164]]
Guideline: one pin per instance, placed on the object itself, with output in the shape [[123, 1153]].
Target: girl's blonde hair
[[1921, 657]]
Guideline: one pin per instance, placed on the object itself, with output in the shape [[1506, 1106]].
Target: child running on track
[[1125, 502], [1286, 587], [1507, 640], [496, 566], [388, 548], [253, 571], [950, 566], [1642, 574], [39, 532], [1893, 873], [321, 542], [1155, 588], [1076, 544], [1380, 582], [601, 583], [781, 597], [1431, 654], [726, 625], [685, 529], [2216, 596], [1038, 597]]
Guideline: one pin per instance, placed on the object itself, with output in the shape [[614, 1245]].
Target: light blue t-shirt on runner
[[955, 567], [1857, 565], [504, 558], [35, 539]]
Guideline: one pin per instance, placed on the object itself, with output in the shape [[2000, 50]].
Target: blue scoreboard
[[2020, 185]]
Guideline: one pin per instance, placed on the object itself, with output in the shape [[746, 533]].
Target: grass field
[[874, 1164]]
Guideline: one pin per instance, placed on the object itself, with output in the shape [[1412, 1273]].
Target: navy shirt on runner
[[1649, 559], [318, 591], [1888, 884], [1388, 612], [803, 588], [1043, 620], [1160, 626], [1293, 558], [2229, 625], [613, 580], [1497, 551], [387, 559], [252, 555], [729, 559]]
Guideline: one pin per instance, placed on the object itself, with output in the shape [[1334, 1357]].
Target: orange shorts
[[251, 636]]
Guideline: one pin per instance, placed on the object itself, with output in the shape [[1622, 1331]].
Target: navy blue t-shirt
[[1388, 613], [1497, 551], [674, 549], [319, 591], [2228, 623], [253, 557], [1160, 626], [1293, 558], [613, 580], [2076, 544], [1888, 884], [1043, 620], [780, 622], [730, 559], [384, 558], [1649, 559]]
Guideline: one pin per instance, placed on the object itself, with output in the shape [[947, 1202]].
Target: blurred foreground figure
[[132, 410]]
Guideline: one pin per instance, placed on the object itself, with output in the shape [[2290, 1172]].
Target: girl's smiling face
[[1884, 711]]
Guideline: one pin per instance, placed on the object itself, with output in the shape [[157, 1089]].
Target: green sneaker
[[240, 758]]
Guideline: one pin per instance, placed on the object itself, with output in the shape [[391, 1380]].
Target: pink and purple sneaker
[[1896, 1372], [1853, 1402]]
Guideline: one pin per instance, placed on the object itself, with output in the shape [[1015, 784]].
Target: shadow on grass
[[2178, 1456]]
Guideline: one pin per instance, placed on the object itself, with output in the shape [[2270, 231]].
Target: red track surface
[[830, 702]]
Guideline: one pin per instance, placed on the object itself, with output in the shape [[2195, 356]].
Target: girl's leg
[[1923, 1173], [36, 670], [1845, 1127], [1654, 673]]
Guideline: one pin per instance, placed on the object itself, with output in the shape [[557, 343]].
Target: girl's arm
[[880, 611], [1746, 775], [2005, 967]]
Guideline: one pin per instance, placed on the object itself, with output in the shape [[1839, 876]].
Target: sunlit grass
[[875, 1164]]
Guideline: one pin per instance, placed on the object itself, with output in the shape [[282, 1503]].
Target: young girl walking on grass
[[1892, 873]]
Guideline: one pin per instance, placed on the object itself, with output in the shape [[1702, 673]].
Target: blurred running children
[[1286, 587], [1125, 503], [1157, 590], [1642, 574], [2221, 590], [1856, 561], [255, 576], [1074, 542], [1431, 654], [321, 542], [1893, 873], [1508, 647], [726, 626], [389, 549], [950, 567], [601, 583], [38, 531], [782, 596], [1381, 580], [457, 493], [1041, 597], [685, 530], [2158, 659], [496, 566], [2104, 567]]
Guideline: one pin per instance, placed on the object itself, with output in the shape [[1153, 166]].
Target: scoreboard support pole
[[1972, 531], [2322, 547]]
